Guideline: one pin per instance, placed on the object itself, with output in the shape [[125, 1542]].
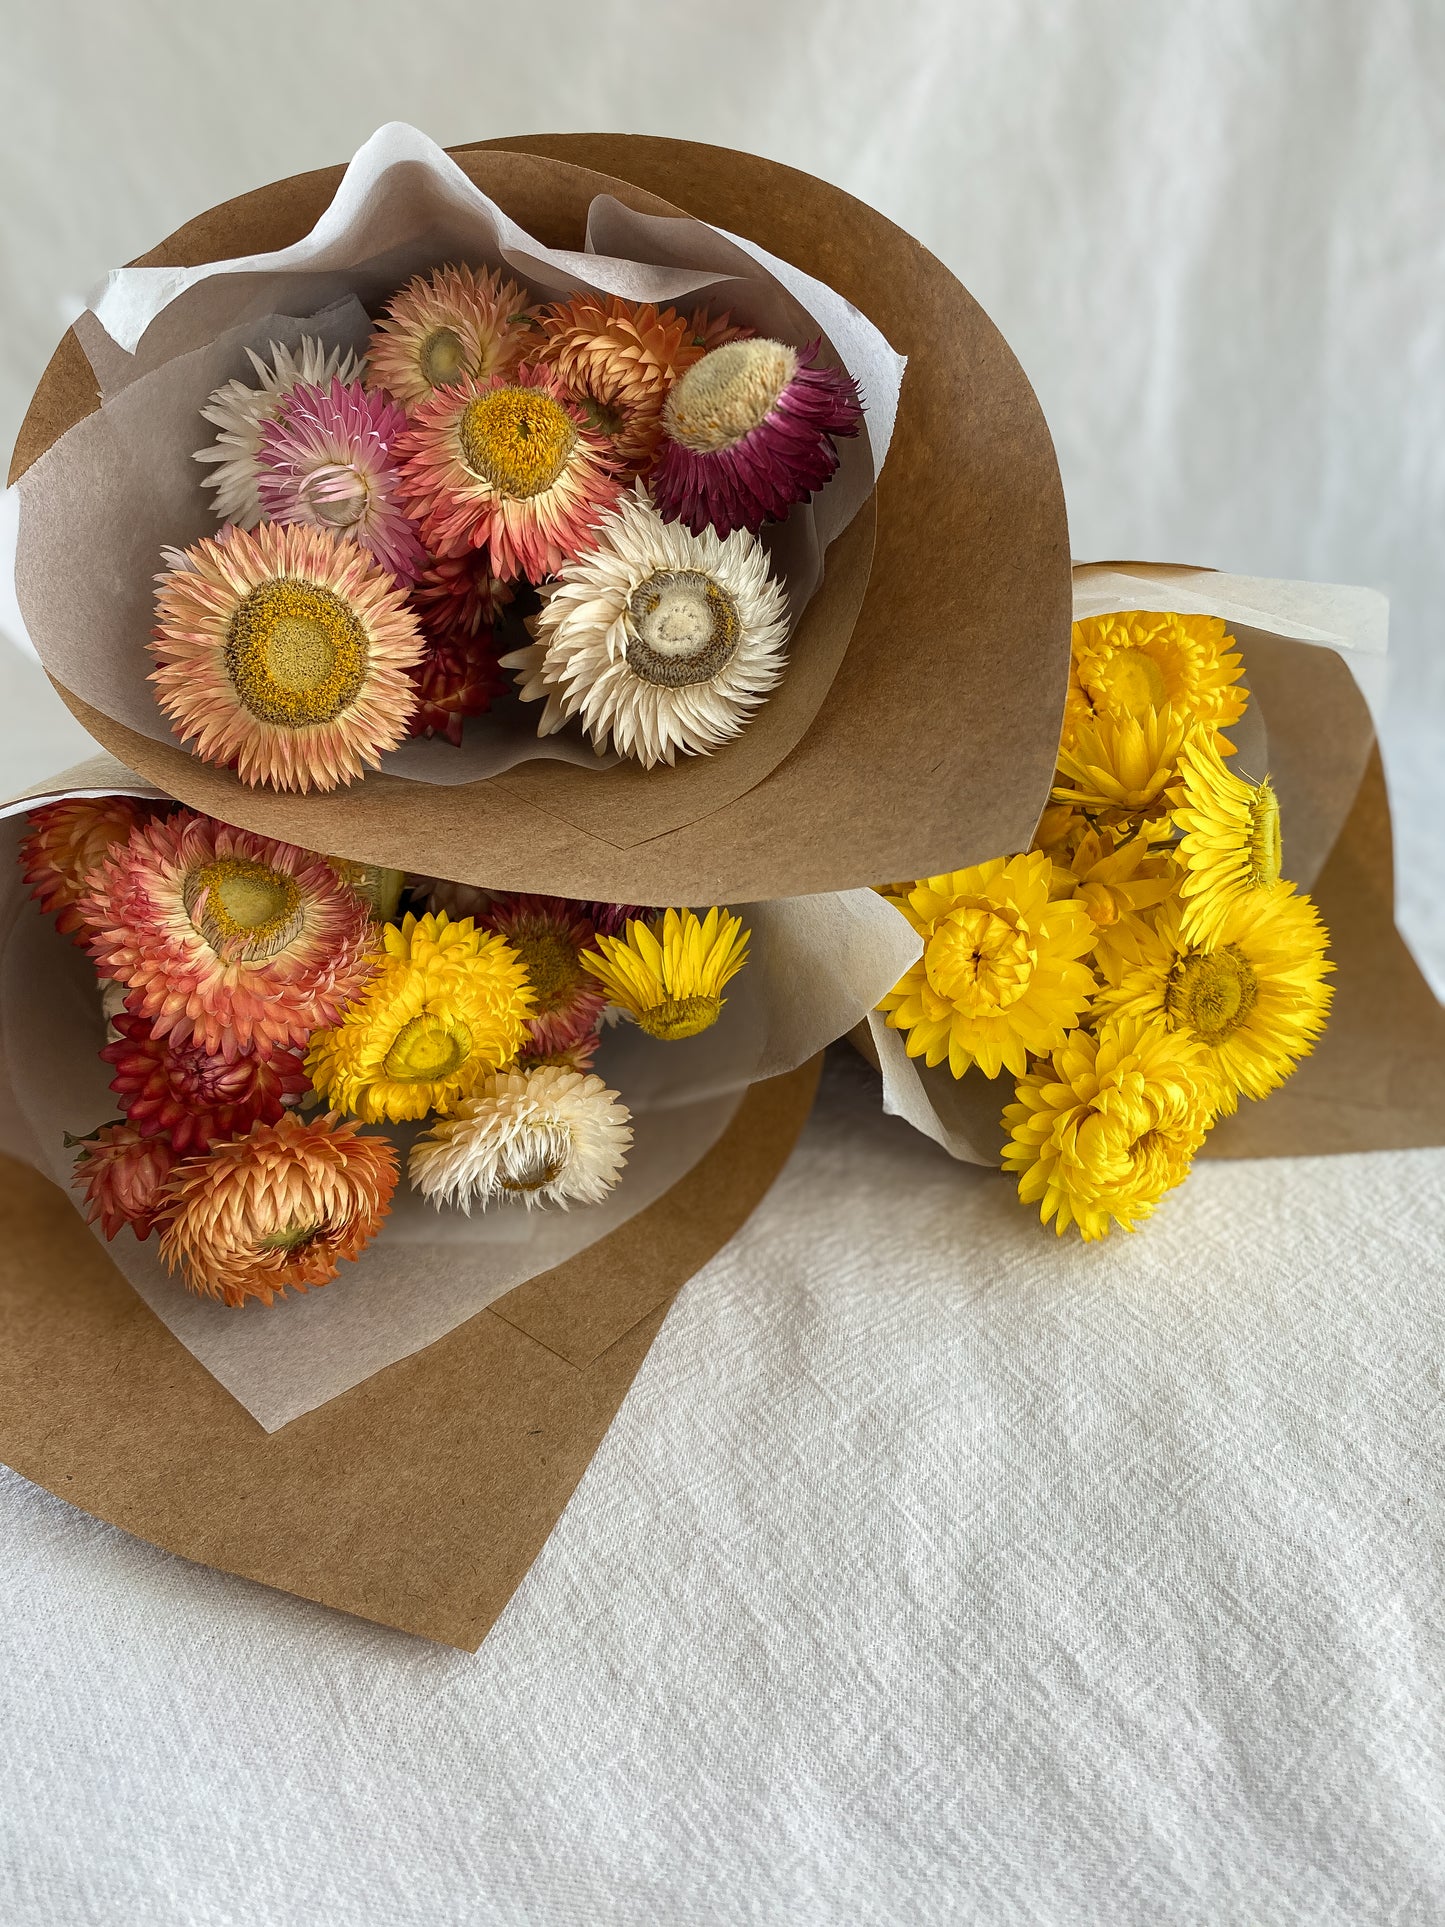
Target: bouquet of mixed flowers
[[530, 620]]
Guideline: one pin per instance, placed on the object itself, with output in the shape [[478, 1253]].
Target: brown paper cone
[[420, 1498], [918, 722]]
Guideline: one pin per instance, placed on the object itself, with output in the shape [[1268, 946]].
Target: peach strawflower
[[284, 654], [224, 938], [511, 465], [277, 1210], [185, 1093], [619, 358], [67, 844], [123, 1172], [444, 327]]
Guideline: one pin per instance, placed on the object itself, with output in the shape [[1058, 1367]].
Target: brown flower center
[[534, 1159], [553, 968], [728, 393], [682, 628], [677, 1017]]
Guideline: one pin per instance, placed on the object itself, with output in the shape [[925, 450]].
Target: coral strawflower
[[193, 1096], [1002, 972], [226, 939], [442, 328], [659, 640], [670, 977], [1102, 1128], [66, 845], [547, 1136], [284, 654], [123, 1172], [750, 429], [278, 1209], [241, 413], [508, 464], [326, 461], [447, 1004]]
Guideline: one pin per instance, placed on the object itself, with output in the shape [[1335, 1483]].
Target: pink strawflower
[[749, 431], [549, 934], [326, 460]]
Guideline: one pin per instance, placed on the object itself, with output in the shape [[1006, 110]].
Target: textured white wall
[[1213, 233]]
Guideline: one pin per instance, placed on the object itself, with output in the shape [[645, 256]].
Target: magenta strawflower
[[749, 431], [326, 460]]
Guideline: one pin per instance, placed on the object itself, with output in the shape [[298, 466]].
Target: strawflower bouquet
[[1143, 965]]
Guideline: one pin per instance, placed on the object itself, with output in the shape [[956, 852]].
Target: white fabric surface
[[932, 1571]]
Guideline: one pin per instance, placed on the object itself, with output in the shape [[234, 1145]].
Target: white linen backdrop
[[933, 1571]]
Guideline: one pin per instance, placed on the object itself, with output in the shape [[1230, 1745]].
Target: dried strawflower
[[1143, 660], [750, 430], [1231, 842], [549, 934], [442, 328], [657, 639], [508, 464], [284, 654], [226, 939], [241, 413], [447, 1004], [278, 1209], [548, 1136], [326, 462], [193, 1096], [122, 1172], [670, 979], [66, 845]]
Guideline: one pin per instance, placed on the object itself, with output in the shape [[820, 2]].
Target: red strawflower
[[185, 1093], [123, 1174]]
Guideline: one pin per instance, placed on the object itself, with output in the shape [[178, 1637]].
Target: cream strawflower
[[658, 639], [547, 1136], [241, 413]]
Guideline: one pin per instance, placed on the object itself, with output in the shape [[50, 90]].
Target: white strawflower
[[660, 640], [547, 1136], [240, 412]]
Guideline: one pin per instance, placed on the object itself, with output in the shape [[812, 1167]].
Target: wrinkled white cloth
[[933, 1571]]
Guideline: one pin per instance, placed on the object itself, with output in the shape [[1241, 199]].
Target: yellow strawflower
[[448, 1003], [1120, 767], [1129, 664], [1254, 1001], [1109, 1123], [1001, 972], [1114, 875], [1231, 842], [672, 981]]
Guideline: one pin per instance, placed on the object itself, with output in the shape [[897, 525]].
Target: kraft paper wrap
[[928, 668], [418, 1499], [1375, 1081]]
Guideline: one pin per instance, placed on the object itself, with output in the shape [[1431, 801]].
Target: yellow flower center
[[428, 1049], [1265, 850], [682, 628], [296, 654], [517, 440], [677, 1017], [442, 358], [728, 394], [1212, 993], [535, 1159], [552, 966], [978, 960], [244, 910], [1131, 680]]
